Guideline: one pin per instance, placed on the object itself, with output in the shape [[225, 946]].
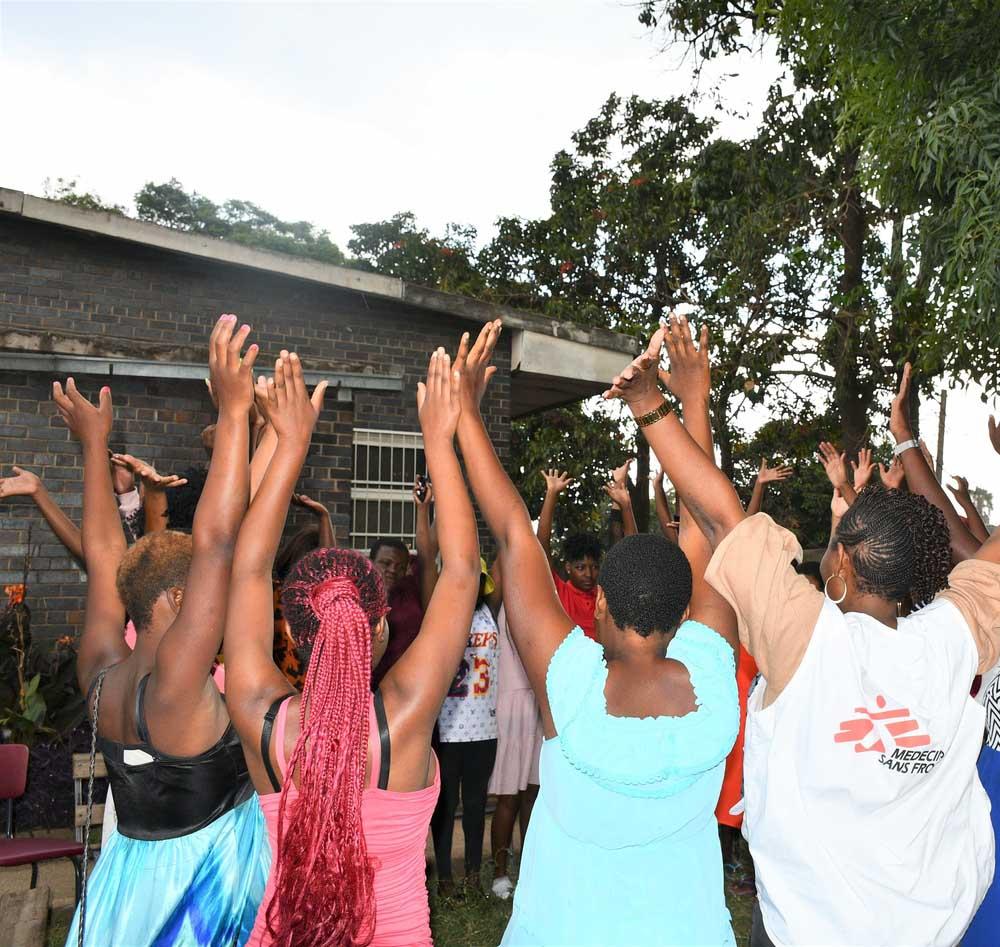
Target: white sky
[[340, 113]]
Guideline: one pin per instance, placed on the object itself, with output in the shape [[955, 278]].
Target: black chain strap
[[90, 806]]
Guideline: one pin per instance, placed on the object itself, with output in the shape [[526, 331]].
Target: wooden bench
[[81, 776]]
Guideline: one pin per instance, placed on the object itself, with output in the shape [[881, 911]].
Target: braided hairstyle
[[333, 600], [899, 545]]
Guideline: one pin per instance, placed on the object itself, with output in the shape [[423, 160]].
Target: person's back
[[187, 860], [632, 799], [357, 776]]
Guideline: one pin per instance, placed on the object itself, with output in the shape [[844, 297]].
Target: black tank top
[[170, 796]]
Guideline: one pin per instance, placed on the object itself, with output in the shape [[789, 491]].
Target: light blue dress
[[623, 846]]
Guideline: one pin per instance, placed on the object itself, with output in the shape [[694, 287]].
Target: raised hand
[[151, 480], [618, 493], [87, 423], [767, 474], [620, 474], [427, 488], [23, 484], [863, 469], [893, 475], [306, 503], [556, 482], [960, 490], [690, 376], [899, 415], [286, 402], [638, 384], [473, 365], [439, 399], [994, 434], [835, 464], [122, 479], [231, 382]]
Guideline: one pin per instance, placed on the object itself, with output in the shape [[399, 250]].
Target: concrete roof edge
[[119, 227]]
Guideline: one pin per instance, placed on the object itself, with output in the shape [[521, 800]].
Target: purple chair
[[15, 852]]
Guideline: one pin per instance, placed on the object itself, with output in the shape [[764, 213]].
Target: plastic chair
[[15, 852]]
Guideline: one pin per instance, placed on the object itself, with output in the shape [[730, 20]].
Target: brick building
[[115, 301]]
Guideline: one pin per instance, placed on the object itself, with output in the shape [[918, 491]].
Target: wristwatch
[[904, 446], [651, 417]]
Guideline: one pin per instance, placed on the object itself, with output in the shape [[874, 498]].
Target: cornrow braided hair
[[324, 880], [899, 545]]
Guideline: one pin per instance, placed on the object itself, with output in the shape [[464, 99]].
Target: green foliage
[[39, 697], [588, 445], [64, 190], [398, 247], [169, 205]]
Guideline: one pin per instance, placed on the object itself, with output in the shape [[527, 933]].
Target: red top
[[395, 826], [732, 781], [579, 605], [406, 615]]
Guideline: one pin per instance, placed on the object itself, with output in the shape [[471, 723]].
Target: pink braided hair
[[324, 879]]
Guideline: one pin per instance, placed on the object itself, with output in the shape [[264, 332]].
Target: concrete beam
[[59, 365], [119, 227]]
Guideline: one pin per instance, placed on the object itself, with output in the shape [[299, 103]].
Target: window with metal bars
[[385, 465]]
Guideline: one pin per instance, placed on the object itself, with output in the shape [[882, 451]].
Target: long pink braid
[[324, 880]]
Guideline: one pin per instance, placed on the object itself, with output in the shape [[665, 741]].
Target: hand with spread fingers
[[690, 375], [556, 482], [960, 490], [766, 474], [473, 364], [231, 372], [863, 469], [835, 464], [439, 398], [151, 480], [619, 493], [87, 423], [893, 476], [23, 484]]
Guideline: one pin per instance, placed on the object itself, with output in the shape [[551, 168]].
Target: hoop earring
[[826, 589]]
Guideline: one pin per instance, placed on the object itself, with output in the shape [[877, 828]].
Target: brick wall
[[55, 281]]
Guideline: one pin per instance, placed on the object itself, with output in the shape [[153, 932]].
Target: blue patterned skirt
[[985, 928], [199, 890]]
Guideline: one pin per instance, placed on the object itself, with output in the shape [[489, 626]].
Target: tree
[[398, 247], [244, 222], [64, 190]]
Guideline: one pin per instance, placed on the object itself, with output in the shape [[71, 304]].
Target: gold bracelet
[[651, 417]]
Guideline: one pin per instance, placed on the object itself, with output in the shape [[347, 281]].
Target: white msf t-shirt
[[469, 712], [865, 816]]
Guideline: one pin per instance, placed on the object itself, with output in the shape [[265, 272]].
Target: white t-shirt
[[469, 712], [866, 819]]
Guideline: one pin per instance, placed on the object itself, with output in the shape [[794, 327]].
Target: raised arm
[[663, 512], [418, 682], [253, 680], [189, 646], [765, 475], [619, 492], [919, 476], [690, 380], [327, 539], [835, 464], [960, 491], [154, 489], [536, 619], [102, 538], [425, 539], [708, 494], [26, 484], [555, 483]]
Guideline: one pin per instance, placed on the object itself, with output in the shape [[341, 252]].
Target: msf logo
[[874, 730]]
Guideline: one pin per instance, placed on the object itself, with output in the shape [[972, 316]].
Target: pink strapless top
[[395, 826]]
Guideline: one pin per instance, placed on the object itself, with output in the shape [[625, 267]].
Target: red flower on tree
[[565, 266], [15, 594]]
